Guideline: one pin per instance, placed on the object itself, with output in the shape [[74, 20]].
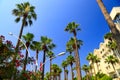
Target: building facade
[[104, 51]]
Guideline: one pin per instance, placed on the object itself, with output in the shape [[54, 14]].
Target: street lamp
[[60, 54], [10, 33]]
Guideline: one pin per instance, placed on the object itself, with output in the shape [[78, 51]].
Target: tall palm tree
[[36, 46], [86, 69], [64, 65], [112, 60], [26, 12], [73, 28], [91, 58], [50, 54], [71, 60], [112, 26], [28, 38], [46, 46]]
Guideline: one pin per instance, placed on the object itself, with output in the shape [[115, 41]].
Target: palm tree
[[50, 54], [48, 76], [112, 60], [112, 45], [73, 28], [86, 69], [26, 12], [59, 71], [36, 46], [71, 60], [28, 38], [54, 68], [108, 36], [97, 60], [112, 26], [69, 47], [64, 65], [91, 58], [46, 46], [66, 71]]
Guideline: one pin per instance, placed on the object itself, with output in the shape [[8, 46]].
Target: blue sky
[[53, 16]]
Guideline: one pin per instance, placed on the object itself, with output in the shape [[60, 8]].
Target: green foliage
[[111, 59], [106, 78], [112, 45], [108, 36], [99, 76], [46, 43], [70, 59], [85, 68], [26, 11], [72, 27], [6, 53], [70, 46], [64, 64]]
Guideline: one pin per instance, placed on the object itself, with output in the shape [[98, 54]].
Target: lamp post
[[60, 54], [10, 33]]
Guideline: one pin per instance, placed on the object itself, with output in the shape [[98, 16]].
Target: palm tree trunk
[[112, 26], [59, 77], [71, 72], [94, 71], [26, 56], [25, 63], [77, 60], [115, 71], [21, 31], [87, 75], [43, 65], [36, 59], [97, 67], [64, 74], [16, 48]]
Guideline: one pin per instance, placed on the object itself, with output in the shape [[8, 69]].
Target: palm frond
[[17, 19]]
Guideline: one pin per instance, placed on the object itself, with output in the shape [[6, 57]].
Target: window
[[102, 49], [106, 67]]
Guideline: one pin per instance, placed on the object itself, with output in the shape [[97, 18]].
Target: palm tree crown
[[72, 27], [111, 59], [108, 36], [46, 43], [85, 68], [90, 57], [64, 64], [71, 44], [25, 10]]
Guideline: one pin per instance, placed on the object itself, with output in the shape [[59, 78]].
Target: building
[[115, 15], [103, 51]]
